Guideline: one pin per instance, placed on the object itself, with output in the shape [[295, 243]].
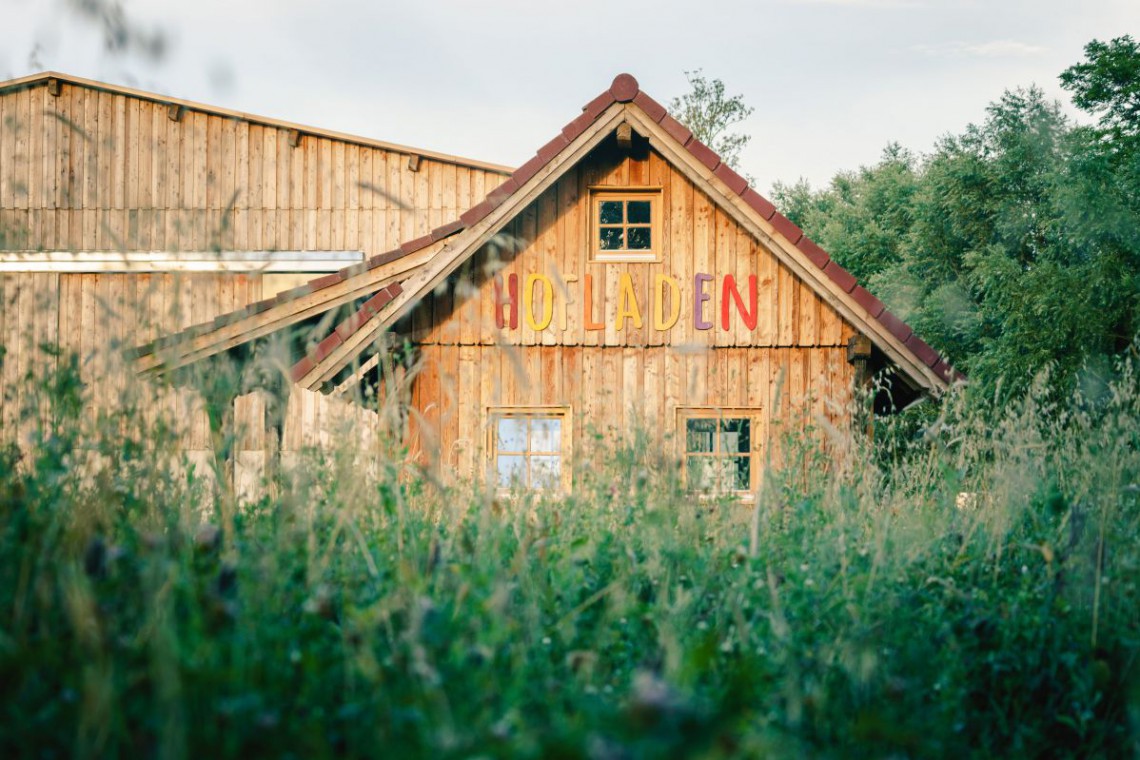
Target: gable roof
[[44, 77], [449, 246]]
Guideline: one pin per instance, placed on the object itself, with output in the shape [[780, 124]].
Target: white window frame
[[598, 194], [560, 412], [752, 414]]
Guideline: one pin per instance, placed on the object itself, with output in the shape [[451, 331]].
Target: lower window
[[719, 449], [529, 447]]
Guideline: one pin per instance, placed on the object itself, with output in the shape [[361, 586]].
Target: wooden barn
[[507, 324]]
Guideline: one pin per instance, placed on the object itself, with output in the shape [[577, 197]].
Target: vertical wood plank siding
[[792, 367], [96, 170]]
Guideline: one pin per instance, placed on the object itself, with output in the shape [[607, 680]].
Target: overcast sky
[[832, 81]]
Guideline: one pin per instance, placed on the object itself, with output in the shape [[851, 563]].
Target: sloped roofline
[[43, 77], [623, 101]]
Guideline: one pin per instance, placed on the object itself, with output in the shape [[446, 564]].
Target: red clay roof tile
[[922, 350], [786, 228], [414, 245], [576, 127], [525, 172], [759, 203], [502, 192], [447, 230], [735, 182], [328, 279], [652, 108], [291, 293], [840, 276], [385, 258], [896, 326], [598, 105], [703, 153], [817, 255], [864, 298], [676, 129], [326, 346], [476, 213], [301, 368], [553, 148]]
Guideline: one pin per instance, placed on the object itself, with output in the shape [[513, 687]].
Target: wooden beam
[[54, 87], [174, 111], [294, 138], [461, 248], [284, 314], [414, 162], [625, 137]]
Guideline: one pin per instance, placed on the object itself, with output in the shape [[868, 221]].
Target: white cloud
[[991, 49]]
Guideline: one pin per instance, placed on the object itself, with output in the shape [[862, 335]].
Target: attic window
[[624, 224]]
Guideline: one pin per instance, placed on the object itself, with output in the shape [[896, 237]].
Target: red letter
[[729, 286], [512, 299]]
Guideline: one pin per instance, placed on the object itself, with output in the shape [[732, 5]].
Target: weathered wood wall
[[97, 169], [615, 379]]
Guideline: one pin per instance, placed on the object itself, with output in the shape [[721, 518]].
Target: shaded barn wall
[[791, 368], [93, 170]]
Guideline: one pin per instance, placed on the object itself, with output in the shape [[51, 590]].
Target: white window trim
[[752, 413], [653, 193], [83, 262], [561, 411]]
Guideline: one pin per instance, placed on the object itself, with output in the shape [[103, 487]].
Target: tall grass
[[970, 589]]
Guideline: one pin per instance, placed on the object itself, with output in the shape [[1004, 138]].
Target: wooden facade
[[617, 378], [88, 167], [622, 279]]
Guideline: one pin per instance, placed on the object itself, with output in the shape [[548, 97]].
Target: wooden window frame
[[554, 411], [598, 255], [752, 414]]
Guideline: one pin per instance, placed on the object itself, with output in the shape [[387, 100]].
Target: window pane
[[545, 472], [611, 238], [739, 474], [610, 212], [511, 434], [639, 239], [702, 473], [638, 212], [699, 435], [545, 434], [735, 435], [512, 471]]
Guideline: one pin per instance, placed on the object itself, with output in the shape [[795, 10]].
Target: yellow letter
[[660, 322], [627, 304], [547, 301]]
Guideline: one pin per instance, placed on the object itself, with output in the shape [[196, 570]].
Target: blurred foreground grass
[[865, 609]]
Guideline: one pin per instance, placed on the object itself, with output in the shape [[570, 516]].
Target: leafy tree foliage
[[709, 113], [1014, 246]]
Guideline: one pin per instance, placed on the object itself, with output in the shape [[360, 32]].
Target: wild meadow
[[961, 583]]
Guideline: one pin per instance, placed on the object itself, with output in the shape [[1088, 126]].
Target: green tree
[[1108, 84], [709, 113]]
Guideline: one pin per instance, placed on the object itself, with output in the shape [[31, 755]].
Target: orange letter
[[587, 305]]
